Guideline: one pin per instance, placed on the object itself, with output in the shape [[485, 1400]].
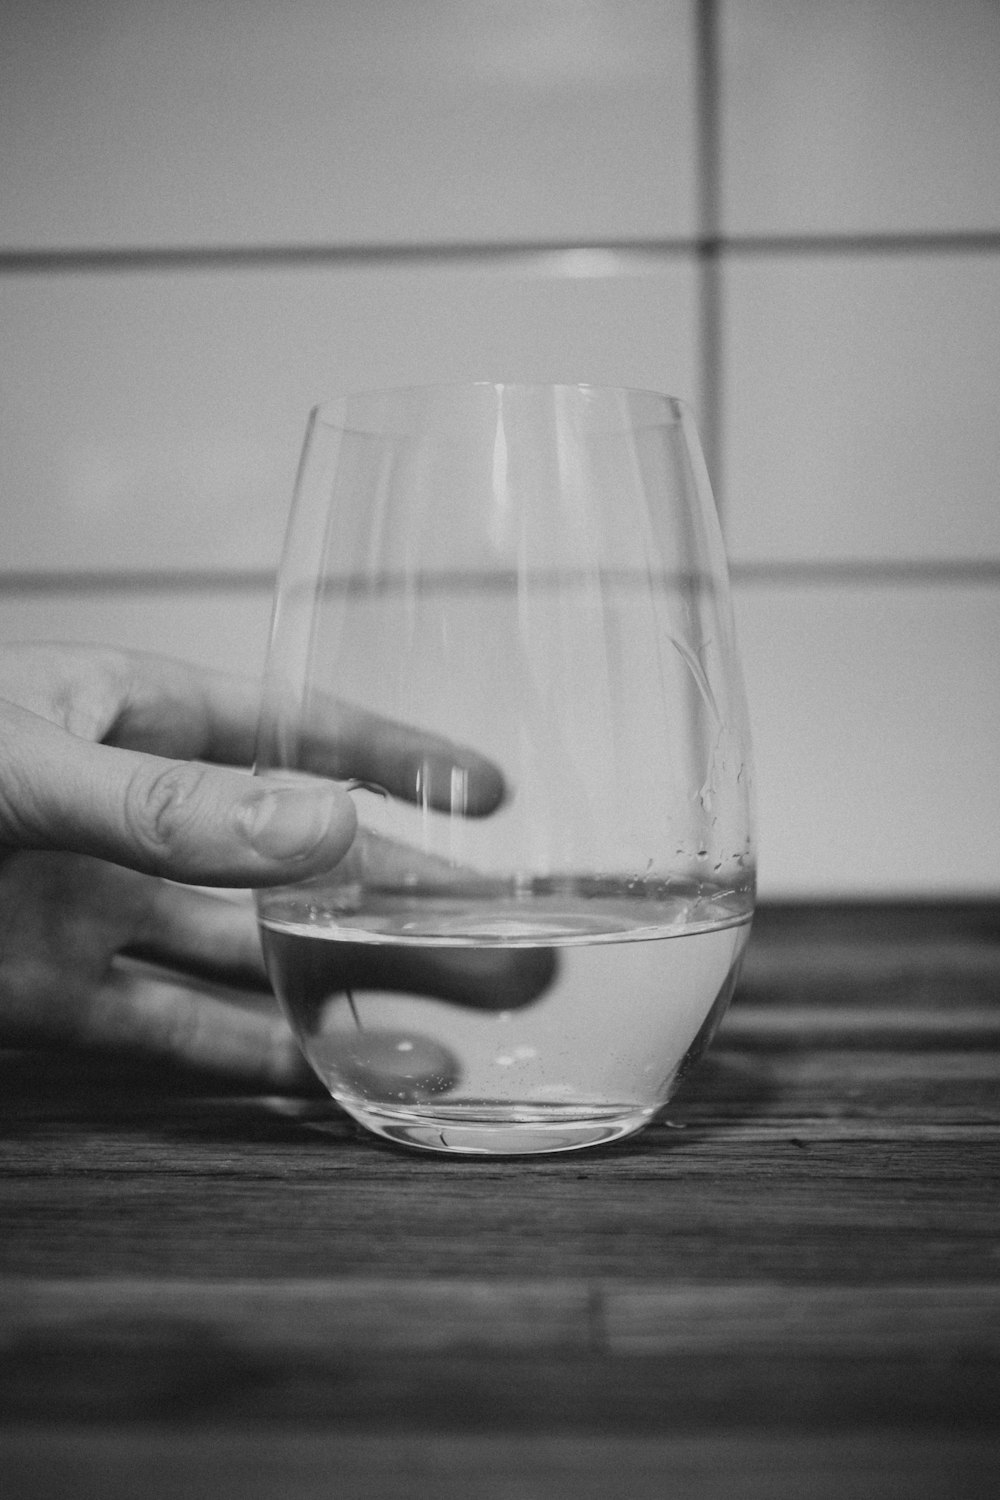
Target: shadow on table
[[44, 1089]]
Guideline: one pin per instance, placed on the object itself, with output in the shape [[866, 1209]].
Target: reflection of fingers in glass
[[398, 1065], [478, 978], [342, 740], [481, 978]]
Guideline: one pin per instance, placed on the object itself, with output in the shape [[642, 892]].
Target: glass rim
[[329, 409]]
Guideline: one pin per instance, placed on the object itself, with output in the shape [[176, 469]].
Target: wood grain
[[791, 1286], [121, 1464]]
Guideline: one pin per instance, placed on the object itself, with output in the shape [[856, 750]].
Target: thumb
[[180, 819]]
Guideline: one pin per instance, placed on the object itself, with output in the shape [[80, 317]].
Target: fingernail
[[289, 824]]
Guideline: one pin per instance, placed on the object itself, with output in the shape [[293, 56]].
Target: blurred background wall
[[215, 213]]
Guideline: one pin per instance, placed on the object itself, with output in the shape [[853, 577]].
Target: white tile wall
[[862, 407], [155, 419], [860, 115], [227, 629], [204, 122], [876, 721], [151, 419]]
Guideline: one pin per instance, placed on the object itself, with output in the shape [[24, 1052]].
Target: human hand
[[118, 780]]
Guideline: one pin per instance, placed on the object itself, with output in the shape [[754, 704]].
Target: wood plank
[[796, 1293], [357, 1313], [175, 1375], [752, 1025], [725, 1464], [908, 956], [763, 1060], [692, 1205], [797, 925], [619, 1316], [866, 1322]]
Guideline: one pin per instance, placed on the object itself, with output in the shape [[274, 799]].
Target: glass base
[[489, 1129]]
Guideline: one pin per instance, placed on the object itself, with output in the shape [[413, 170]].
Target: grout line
[[142, 580], [791, 574], [707, 125], [184, 258], [708, 245], [889, 243], [711, 355], [884, 573], [709, 275]]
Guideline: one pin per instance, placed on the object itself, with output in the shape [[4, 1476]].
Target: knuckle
[[77, 688], [162, 806], [93, 697]]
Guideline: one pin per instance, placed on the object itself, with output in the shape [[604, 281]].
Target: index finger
[[139, 701], [344, 741]]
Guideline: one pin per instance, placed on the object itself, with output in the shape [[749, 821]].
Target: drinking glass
[[503, 623]]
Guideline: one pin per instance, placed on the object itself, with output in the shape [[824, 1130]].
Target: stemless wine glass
[[503, 622]]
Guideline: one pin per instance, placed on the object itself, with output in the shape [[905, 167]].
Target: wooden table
[[796, 1294]]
